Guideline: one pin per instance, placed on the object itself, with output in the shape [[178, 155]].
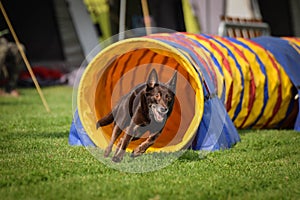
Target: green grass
[[36, 161]]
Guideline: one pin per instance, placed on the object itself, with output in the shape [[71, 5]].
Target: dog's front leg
[[116, 132], [145, 145], [122, 148]]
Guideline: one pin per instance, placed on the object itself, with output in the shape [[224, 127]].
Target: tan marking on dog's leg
[[145, 145], [119, 145]]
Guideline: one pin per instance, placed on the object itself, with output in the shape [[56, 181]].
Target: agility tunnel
[[224, 84]]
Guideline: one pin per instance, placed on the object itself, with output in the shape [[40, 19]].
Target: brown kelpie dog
[[145, 108]]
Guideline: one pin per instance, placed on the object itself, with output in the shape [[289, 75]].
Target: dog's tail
[[109, 118]]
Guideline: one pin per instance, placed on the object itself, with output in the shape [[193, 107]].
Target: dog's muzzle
[[159, 112]]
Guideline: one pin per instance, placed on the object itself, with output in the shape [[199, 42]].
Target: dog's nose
[[163, 110]]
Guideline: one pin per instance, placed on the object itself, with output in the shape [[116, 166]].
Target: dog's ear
[[152, 79], [172, 82]]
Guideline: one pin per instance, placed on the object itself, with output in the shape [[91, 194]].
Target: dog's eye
[[168, 98], [157, 96]]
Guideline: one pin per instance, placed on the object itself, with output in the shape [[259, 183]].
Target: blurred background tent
[[61, 33]]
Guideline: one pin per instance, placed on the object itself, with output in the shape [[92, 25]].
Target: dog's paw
[[116, 159], [107, 152], [132, 155], [135, 154]]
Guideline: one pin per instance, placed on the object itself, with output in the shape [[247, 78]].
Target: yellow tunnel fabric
[[273, 81], [237, 87], [246, 75], [222, 58], [286, 95], [206, 53], [259, 79]]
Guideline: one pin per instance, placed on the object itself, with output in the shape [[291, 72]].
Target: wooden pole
[[147, 20], [122, 20], [24, 58]]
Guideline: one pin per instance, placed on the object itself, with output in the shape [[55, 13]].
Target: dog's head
[[160, 97]]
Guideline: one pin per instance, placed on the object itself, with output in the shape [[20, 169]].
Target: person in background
[[10, 67]]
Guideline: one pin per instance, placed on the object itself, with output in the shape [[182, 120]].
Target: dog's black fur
[[145, 108]]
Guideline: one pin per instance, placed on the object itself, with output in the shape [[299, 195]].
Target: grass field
[[36, 161]]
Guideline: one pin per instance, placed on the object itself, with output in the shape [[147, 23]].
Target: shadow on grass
[[191, 155], [37, 135], [63, 134], [13, 103]]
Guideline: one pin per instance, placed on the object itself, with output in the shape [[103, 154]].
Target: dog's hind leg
[[115, 134]]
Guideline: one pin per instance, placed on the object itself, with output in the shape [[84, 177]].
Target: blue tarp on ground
[[77, 135]]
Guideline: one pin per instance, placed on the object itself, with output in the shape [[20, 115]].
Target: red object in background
[[42, 73]]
